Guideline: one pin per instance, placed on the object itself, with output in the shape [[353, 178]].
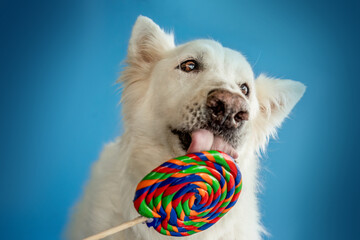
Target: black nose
[[226, 108]]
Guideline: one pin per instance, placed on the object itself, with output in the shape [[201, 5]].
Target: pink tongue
[[204, 140]]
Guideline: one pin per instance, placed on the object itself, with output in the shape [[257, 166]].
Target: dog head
[[199, 95]]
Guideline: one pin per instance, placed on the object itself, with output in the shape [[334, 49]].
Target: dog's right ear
[[148, 42]]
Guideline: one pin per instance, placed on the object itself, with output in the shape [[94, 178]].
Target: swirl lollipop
[[189, 194], [185, 195]]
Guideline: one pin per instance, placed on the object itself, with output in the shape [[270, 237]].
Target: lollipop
[[185, 195], [189, 194]]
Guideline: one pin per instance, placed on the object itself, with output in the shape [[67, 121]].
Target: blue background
[[59, 104]]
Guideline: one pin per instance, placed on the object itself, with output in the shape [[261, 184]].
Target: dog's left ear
[[276, 100], [148, 41]]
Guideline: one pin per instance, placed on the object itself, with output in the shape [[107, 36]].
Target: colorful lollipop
[[186, 195], [189, 194]]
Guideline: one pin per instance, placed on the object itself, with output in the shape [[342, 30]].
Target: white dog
[[177, 99]]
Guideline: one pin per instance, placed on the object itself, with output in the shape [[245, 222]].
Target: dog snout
[[226, 108]]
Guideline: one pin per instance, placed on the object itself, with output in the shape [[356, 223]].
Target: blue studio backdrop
[[59, 104]]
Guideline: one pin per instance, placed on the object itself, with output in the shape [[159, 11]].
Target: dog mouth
[[203, 140]]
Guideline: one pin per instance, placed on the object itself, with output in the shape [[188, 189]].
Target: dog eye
[[189, 65], [244, 89]]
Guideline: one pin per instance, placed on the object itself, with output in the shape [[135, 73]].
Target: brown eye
[[244, 89], [189, 66]]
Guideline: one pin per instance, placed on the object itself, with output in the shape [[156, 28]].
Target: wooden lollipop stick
[[116, 229]]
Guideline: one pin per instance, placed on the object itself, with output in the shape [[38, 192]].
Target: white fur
[[156, 96]]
